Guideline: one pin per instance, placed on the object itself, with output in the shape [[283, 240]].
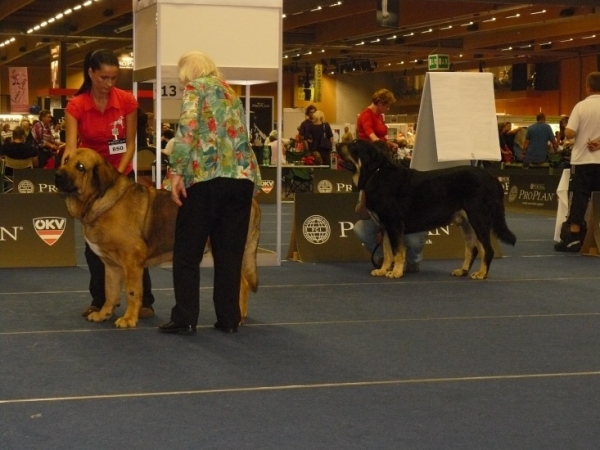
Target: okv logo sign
[[49, 229], [316, 229], [267, 186]]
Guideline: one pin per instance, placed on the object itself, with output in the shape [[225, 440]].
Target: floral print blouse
[[211, 140]]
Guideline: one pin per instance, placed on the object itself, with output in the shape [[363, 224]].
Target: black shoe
[[177, 328], [568, 246], [224, 329]]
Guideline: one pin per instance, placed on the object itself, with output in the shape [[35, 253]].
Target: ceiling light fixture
[[567, 40], [361, 43], [543, 11], [375, 41], [513, 17], [589, 37], [426, 31], [493, 19], [318, 8], [409, 34], [391, 37], [446, 28], [466, 24], [124, 28]]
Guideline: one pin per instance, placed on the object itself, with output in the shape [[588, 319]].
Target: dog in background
[[132, 226], [406, 201]]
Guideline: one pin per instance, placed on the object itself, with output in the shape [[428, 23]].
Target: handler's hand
[[177, 189], [593, 145]]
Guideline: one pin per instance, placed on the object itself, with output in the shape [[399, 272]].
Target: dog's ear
[[103, 177]]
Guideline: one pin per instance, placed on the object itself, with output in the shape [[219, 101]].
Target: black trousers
[[218, 209], [585, 178]]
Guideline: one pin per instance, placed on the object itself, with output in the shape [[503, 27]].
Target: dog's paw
[[101, 316], [123, 322], [459, 273], [478, 276], [379, 272], [394, 274]]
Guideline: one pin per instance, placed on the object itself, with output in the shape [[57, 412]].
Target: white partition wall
[[243, 37]]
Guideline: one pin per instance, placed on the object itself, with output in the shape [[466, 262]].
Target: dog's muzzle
[[63, 182]]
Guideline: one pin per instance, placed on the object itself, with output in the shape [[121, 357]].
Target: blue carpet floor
[[331, 358]]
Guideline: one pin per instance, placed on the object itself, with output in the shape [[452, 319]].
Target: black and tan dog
[[132, 226], [405, 201]]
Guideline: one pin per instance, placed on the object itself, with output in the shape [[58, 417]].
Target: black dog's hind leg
[[482, 228], [471, 244]]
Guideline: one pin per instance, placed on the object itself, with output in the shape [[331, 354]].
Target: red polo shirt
[[95, 128]]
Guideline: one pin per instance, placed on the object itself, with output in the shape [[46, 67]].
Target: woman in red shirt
[[370, 125], [104, 118]]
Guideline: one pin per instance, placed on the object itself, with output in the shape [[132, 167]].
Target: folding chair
[[299, 180], [11, 163]]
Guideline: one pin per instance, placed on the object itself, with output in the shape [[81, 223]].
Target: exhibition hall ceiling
[[344, 36]]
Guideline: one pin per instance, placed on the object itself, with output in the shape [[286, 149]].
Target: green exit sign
[[438, 62]]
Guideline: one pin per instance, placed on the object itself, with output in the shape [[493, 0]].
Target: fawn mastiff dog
[[132, 226]]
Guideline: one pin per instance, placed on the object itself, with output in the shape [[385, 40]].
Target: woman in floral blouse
[[214, 177]]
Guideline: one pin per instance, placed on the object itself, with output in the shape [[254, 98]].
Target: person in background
[[18, 148], [166, 136], [370, 124], [44, 140], [6, 133], [304, 127], [535, 149], [320, 137], [347, 135], [214, 177], [275, 152], [103, 118], [584, 127], [26, 126]]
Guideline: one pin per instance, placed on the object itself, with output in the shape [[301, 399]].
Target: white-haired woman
[[320, 137], [214, 177]]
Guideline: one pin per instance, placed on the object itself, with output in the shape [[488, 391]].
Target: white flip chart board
[[457, 121]]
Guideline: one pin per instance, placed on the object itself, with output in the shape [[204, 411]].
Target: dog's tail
[[249, 267], [499, 225]]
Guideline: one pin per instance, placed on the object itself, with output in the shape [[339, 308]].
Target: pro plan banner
[[332, 182], [323, 232], [529, 192], [19, 90], [36, 231], [30, 181]]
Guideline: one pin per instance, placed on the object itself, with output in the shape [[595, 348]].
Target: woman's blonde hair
[[383, 96], [194, 65], [318, 115]]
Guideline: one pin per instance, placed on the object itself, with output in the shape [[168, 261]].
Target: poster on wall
[[19, 90], [261, 118]]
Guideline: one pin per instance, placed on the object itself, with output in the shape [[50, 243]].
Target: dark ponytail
[[95, 60]]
